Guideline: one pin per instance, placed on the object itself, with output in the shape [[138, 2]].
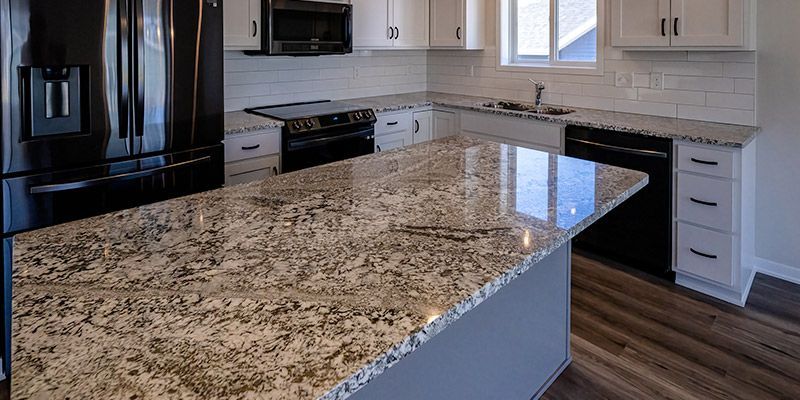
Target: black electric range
[[321, 132]]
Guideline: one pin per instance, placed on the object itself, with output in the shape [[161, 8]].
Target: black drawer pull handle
[[703, 254], [251, 147], [379, 148], [705, 203], [704, 162], [393, 123], [675, 29], [274, 171], [663, 27]]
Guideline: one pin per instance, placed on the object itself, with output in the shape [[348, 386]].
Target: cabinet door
[[412, 23], [444, 124], [251, 170], [423, 126], [708, 22], [393, 141], [640, 22], [242, 24], [447, 23], [371, 23]]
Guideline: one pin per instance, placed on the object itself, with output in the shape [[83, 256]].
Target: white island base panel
[[512, 346]]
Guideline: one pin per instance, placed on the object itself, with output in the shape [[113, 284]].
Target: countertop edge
[[366, 374]]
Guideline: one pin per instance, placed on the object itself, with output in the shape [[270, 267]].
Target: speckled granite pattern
[[302, 286], [240, 122], [673, 128]]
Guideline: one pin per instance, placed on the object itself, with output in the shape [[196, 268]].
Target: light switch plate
[[624, 79], [657, 80]]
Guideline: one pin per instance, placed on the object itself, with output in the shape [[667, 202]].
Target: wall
[[256, 81], [778, 216], [711, 86]]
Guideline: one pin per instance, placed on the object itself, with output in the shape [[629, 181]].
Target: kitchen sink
[[546, 110]]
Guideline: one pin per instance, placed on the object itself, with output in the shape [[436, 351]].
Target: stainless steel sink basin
[[546, 110]]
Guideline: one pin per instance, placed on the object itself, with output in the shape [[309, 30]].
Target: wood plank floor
[[637, 337]]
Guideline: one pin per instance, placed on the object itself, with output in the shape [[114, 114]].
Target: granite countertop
[[306, 285], [239, 122], [672, 128]]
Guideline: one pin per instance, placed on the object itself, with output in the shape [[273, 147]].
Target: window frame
[[509, 60]]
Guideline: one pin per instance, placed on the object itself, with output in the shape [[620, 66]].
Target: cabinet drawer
[[253, 169], [706, 161], [705, 201], [705, 253], [251, 146], [391, 123]]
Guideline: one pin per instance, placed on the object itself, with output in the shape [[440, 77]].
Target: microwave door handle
[[123, 61], [348, 28], [305, 144], [63, 187]]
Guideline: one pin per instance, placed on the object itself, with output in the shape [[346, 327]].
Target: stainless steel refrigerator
[[106, 104]]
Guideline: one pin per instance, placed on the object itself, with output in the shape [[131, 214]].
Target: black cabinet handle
[[379, 148], [274, 171], [663, 27], [416, 126], [396, 32], [458, 33], [703, 254], [705, 203], [391, 33], [255, 28], [393, 123], [675, 28], [695, 160], [251, 147]]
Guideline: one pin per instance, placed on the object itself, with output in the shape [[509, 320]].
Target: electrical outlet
[[657, 81], [624, 79]]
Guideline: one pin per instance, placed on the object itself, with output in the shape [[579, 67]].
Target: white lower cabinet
[[522, 132], [715, 219], [394, 130], [253, 156], [423, 126], [445, 123]]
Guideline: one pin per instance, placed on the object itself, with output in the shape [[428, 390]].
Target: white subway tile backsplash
[[598, 103], [641, 80], [723, 115], [673, 96], [745, 86], [740, 70], [644, 107], [687, 68], [703, 84], [729, 100]]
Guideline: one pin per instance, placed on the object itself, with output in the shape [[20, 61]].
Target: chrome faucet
[[539, 89]]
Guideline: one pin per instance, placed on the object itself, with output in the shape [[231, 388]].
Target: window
[[550, 34]]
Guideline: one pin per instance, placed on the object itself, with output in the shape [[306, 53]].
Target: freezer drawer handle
[[694, 160], [702, 254], [63, 187], [251, 147], [646, 153], [705, 203]]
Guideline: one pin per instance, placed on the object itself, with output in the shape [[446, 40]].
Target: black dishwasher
[[639, 232]]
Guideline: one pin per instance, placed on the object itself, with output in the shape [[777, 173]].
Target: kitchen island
[[326, 283]]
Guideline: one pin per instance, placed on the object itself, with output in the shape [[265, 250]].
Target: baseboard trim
[[777, 270]]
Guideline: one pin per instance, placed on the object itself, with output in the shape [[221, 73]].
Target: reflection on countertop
[[306, 285]]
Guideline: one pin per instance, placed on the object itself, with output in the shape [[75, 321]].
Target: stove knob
[[297, 125], [358, 116], [309, 123]]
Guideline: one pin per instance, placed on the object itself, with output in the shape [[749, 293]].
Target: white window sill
[[552, 69]]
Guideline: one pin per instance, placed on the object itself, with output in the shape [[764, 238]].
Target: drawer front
[[392, 123], [393, 141], [252, 146], [706, 161], [705, 253], [518, 130], [251, 170], [706, 201]]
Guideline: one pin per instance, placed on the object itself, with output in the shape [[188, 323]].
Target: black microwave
[[305, 28]]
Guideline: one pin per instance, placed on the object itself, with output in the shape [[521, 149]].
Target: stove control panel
[[312, 124]]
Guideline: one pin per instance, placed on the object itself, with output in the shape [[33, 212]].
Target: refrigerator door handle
[[123, 61], [63, 187], [138, 67]]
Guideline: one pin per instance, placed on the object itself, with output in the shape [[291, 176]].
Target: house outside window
[[553, 35]]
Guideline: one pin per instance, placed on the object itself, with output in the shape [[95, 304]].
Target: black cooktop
[[301, 111]]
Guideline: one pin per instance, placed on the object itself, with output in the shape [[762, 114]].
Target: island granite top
[[305, 285]]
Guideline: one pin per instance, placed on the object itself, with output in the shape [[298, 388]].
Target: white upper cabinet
[[458, 24], [242, 24], [412, 23], [640, 22], [372, 23], [685, 24], [384, 24], [708, 22]]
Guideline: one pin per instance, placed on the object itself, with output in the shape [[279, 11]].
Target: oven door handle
[[305, 144], [63, 187], [626, 150]]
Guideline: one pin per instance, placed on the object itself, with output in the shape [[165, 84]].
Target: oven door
[[308, 28], [301, 153]]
